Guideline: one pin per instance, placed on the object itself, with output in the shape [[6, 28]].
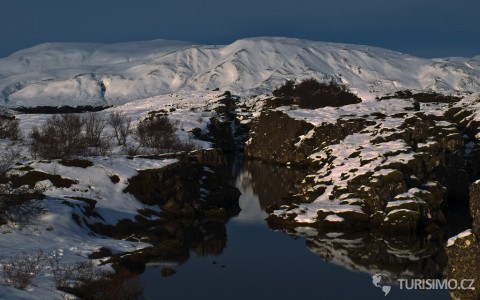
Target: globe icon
[[383, 282]]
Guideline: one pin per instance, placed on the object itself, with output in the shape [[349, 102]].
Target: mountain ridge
[[98, 74]]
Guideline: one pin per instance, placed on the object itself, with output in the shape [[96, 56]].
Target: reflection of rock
[[271, 183], [184, 189], [210, 238], [212, 156], [413, 257], [167, 272], [172, 242], [195, 201], [463, 253]]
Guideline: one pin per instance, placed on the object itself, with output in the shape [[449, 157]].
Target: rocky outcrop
[[279, 138], [475, 207], [388, 170], [185, 189], [463, 253]]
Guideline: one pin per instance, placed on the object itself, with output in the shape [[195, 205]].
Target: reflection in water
[[176, 240], [257, 261], [369, 252], [271, 184]]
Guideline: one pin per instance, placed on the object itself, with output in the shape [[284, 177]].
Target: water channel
[[252, 261]]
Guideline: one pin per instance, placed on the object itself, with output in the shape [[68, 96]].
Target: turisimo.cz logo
[[383, 282]]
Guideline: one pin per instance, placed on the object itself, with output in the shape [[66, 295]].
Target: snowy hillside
[[100, 74]]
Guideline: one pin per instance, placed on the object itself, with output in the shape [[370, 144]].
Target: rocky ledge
[[379, 164]]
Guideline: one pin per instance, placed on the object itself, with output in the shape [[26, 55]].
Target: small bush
[[69, 135], [73, 276], [158, 133], [94, 125], [59, 137], [10, 128], [121, 126], [312, 94], [85, 280], [21, 270]]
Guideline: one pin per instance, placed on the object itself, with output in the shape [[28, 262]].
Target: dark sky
[[428, 28]]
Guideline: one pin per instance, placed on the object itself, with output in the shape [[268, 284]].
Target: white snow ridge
[[101, 74]]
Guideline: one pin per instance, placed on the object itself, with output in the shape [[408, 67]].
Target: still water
[[252, 261]]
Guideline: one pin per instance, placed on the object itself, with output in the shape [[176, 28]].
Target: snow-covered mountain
[[100, 74]]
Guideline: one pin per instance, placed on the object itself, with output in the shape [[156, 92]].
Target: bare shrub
[[7, 160], [132, 151], [104, 148], [61, 274], [157, 132], [83, 278], [59, 137], [21, 270], [94, 125], [87, 281], [75, 275], [121, 126], [70, 135], [10, 128]]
